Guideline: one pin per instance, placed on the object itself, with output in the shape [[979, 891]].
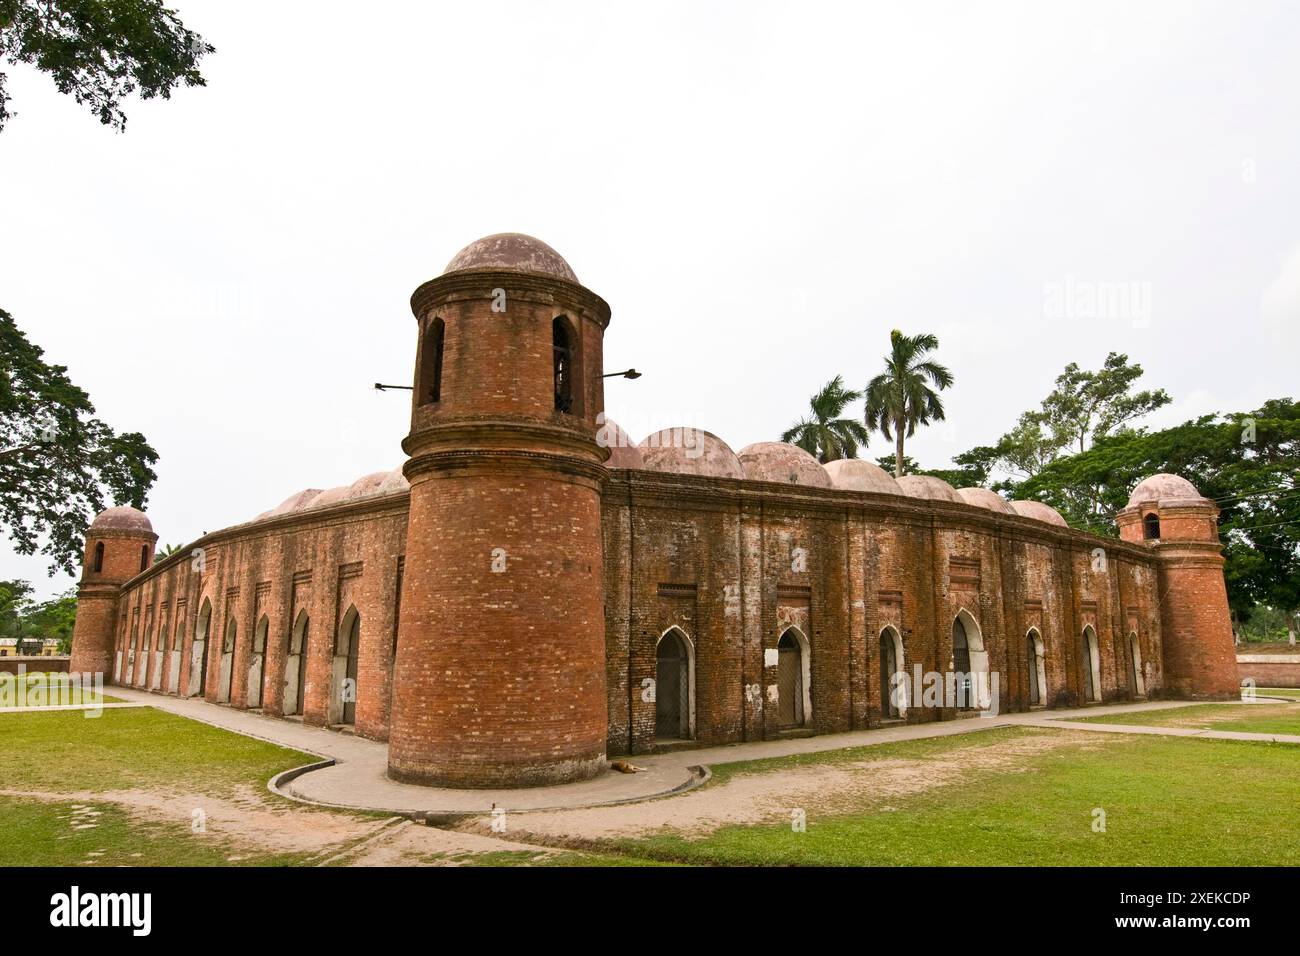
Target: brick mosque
[[532, 592]]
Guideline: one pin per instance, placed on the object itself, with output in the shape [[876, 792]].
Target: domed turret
[[1168, 515], [119, 545], [506, 479]]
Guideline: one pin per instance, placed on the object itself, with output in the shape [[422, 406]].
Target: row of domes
[[693, 451]]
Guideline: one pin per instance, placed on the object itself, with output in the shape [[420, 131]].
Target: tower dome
[[512, 252], [122, 519], [1163, 487]]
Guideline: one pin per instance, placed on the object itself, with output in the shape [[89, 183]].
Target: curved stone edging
[[293, 773], [699, 775]]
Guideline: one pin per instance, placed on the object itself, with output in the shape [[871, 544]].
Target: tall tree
[[101, 51], [1086, 406], [15, 600], [1248, 463], [1082, 408], [906, 393], [54, 619], [57, 461], [825, 435]]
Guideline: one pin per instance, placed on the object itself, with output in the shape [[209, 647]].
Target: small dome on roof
[[122, 518], [512, 252], [686, 450], [367, 486], [295, 502], [1038, 511], [1163, 487], [783, 462], [927, 486], [854, 474], [623, 452], [330, 496], [983, 498], [394, 483]]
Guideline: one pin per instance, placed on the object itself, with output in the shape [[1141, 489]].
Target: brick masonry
[[512, 601], [1269, 670]]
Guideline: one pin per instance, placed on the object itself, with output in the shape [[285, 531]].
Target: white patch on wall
[[771, 657], [731, 600]]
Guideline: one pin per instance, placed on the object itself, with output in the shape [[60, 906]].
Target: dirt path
[[251, 823], [770, 797]]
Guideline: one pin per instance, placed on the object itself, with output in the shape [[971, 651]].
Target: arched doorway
[[1091, 665], [1036, 670], [674, 686], [794, 702], [256, 663], [893, 692], [199, 651], [343, 683], [969, 662], [295, 666], [226, 673], [1136, 683]]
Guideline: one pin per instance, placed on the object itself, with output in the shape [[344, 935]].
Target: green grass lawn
[[1258, 718], [1291, 692], [48, 690], [135, 748], [1167, 800]]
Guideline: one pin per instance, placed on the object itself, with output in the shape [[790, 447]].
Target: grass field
[[48, 690], [1170, 801], [70, 793], [1258, 718], [1291, 692], [64, 752]]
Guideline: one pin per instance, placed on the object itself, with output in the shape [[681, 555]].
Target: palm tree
[[899, 397], [825, 435]]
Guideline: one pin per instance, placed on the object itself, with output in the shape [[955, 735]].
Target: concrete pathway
[[355, 775]]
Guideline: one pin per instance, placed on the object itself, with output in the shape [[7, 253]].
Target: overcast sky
[[761, 192]]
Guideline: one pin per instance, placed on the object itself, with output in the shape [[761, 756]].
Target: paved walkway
[[356, 778]]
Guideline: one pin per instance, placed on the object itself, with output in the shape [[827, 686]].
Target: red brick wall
[[1269, 673], [715, 558], [45, 665]]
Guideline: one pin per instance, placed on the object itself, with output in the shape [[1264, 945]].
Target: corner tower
[[1168, 514], [119, 545], [500, 672]]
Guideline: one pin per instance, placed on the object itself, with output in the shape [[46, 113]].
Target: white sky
[[761, 191]]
